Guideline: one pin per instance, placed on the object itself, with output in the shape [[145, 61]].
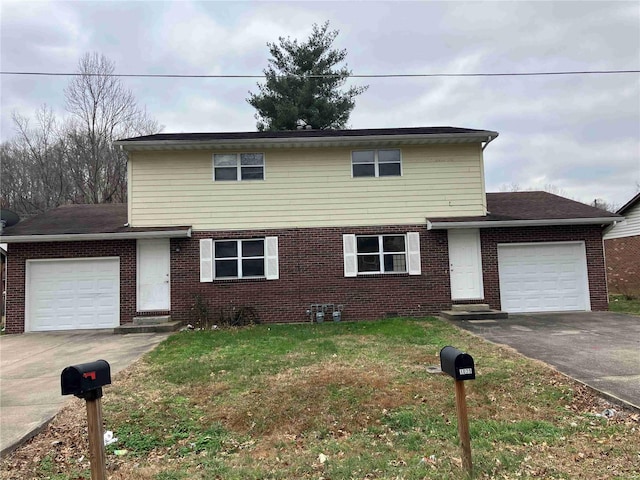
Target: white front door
[[465, 265], [154, 281]]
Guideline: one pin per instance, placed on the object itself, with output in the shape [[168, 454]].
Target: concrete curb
[[26, 437]]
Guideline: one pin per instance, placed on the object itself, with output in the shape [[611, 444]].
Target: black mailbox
[[86, 380], [457, 364]]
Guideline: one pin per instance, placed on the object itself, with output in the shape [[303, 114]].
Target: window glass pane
[[226, 173], [363, 156], [393, 243], [225, 160], [388, 156], [396, 262], [368, 263], [364, 170], [226, 268], [368, 245], [252, 173], [226, 249], [251, 159], [253, 248], [389, 169], [253, 267]]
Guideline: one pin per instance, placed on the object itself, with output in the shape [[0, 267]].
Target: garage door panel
[[543, 277], [73, 294]]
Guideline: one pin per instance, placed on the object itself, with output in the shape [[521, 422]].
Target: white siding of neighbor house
[[309, 187], [628, 228]]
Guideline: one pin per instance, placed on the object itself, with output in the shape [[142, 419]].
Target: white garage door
[[72, 294], [543, 277]]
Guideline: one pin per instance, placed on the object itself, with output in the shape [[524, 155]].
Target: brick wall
[[311, 271], [20, 252], [623, 265]]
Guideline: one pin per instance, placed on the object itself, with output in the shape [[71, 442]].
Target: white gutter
[[407, 139], [77, 237], [519, 223]]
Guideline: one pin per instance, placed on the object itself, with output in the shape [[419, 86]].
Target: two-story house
[[381, 221]]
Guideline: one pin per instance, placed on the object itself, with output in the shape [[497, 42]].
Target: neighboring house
[[382, 222], [622, 251]]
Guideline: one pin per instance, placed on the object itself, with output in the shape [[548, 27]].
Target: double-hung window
[[238, 259], [382, 254], [238, 166], [376, 163]]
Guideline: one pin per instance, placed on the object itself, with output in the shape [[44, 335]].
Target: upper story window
[[376, 163], [238, 166]]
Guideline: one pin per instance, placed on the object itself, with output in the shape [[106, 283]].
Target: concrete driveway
[[30, 368], [600, 349]]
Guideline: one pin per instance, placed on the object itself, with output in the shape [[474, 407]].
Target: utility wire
[[373, 75]]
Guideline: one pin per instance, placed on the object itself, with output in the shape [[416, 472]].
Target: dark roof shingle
[[198, 137]]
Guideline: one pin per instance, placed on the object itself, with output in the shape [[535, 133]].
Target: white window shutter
[[206, 260], [271, 258], [350, 256], [413, 253]]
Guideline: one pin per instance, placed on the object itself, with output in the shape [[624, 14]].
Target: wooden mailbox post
[[460, 366], [86, 381]]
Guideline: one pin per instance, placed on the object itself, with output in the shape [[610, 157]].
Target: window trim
[[239, 258], [381, 253], [239, 166], [376, 163]]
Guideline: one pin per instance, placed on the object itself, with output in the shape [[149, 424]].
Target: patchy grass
[[624, 304], [336, 401]]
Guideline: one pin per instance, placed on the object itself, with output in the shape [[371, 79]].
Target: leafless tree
[[32, 165], [102, 110]]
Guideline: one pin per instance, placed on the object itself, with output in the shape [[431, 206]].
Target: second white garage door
[[543, 277], [72, 294]]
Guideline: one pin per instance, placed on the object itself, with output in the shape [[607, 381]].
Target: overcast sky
[[580, 134]]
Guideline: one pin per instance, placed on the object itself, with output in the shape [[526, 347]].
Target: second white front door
[[465, 265], [154, 282]]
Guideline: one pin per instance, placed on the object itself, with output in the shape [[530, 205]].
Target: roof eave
[[435, 225], [77, 237], [293, 142]]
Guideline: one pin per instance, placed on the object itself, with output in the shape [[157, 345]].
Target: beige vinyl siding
[[305, 188], [628, 228]]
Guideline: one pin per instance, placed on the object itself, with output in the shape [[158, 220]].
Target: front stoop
[[157, 324], [474, 311]]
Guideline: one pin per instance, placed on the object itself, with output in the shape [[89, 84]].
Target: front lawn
[[336, 401], [624, 304]]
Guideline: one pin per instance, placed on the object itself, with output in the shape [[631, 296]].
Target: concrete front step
[[157, 328], [477, 315], [471, 307], [155, 320]]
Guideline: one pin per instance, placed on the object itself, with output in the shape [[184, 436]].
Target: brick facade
[[311, 271], [623, 265]]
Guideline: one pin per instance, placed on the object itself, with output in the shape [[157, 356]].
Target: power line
[[372, 75]]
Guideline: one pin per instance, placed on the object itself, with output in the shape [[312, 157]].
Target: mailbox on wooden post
[[460, 366], [86, 381]]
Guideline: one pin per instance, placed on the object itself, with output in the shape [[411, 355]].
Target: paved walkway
[[30, 368], [600, 349]]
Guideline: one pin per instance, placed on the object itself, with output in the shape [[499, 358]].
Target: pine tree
[[304, 85]]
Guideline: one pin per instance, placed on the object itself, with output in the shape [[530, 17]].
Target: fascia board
[[431, 225], [345, 141], [77, 237]]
